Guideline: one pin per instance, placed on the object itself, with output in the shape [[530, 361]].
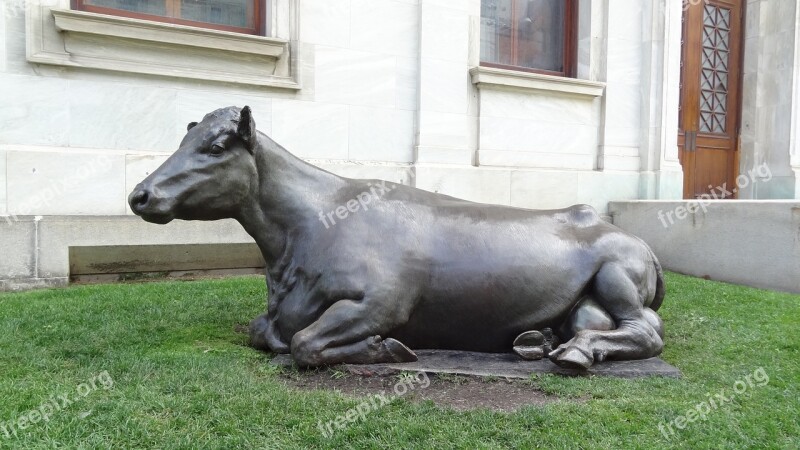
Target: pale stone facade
[[771, 97], [370, 88], [386, 89]]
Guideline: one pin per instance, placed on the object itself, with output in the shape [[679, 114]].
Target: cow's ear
[[247, 128], [191, 125]]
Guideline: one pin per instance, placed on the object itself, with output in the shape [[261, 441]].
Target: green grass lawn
[[184, 378]]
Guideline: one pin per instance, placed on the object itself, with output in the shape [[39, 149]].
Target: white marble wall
[[622, 108], [385, 88], [625, 137], [359, 60], [544, 130], [530, 187], [771, 92], [447, 115], [61, 181], [661, 171], [3, 184]]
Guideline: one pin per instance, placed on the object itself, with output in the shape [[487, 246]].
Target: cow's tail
[[660, 289]]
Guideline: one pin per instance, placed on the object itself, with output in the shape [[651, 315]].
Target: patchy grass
[[184, 378]]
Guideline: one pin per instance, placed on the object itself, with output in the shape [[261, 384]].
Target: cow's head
[[208, 177]]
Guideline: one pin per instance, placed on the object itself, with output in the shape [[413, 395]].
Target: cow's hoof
[[262, 339], [529, 353], [571, 358], [530, 345], [530, 339], [399, 352]]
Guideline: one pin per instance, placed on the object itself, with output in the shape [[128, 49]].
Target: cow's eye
[[216, 150]]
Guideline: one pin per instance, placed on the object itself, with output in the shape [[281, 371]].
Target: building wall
[[357, 104], [388, 89], [771, 92], [385, 87]]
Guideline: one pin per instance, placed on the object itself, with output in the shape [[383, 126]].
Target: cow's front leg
[[264, 335], [350, 332]]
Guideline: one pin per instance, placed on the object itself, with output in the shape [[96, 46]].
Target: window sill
[[493, 78], [97, 41]]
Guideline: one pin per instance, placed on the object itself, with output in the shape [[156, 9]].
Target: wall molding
[[490, 77], [145, 30]]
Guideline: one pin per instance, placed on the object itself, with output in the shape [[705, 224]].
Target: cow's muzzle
[[144, 203]]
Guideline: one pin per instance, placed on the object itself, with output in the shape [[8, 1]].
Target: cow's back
[[453, 257]]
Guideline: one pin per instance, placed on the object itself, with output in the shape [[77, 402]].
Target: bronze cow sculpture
[[412, 269]]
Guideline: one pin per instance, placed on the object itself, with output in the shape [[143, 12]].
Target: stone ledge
[[750, 242], [505, 365], [534, 82], [145, 30], [26, 284]]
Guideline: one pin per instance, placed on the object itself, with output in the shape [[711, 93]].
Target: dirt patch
[[457, 392], [241, 328]]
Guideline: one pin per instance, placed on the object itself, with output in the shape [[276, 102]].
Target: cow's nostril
[[139, 199]]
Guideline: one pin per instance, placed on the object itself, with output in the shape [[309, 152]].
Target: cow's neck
[[289, 196]]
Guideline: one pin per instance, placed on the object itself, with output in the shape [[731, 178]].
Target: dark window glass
[[244, 16], [529, 34]]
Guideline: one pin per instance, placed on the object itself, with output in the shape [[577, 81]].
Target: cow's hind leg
[[635, 337], [349, 332]]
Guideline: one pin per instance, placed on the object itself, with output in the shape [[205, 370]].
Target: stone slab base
[[505, 365], [45, 251], [25, 284]]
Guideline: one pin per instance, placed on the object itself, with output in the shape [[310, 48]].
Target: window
[[241, 16], [530, 35]]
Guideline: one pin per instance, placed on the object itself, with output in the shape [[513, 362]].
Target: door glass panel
[[715, 59]]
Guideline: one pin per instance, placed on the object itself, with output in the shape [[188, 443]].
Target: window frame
[[259, 19], [570, 52]]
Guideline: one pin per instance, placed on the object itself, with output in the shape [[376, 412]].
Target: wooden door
[[710, 104]]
